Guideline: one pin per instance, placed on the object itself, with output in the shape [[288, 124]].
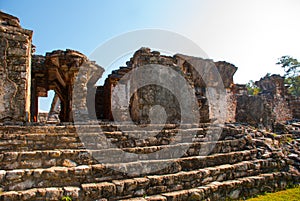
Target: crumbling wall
[[281, 109], [115, 103], [146, 97], [254, 110], [227, 71], [72, 76], [231, 103], [264, 110], [275, 94], [272, 84], [15, 70], [271, 105], [84, 91], [294, 105]]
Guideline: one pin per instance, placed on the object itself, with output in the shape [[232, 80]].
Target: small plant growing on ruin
[[66, 198], [287, 139], [252, 88]]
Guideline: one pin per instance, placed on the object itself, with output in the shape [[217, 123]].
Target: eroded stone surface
[[15, 70], [142, 100]]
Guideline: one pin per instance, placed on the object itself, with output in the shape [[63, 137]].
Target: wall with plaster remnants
[[15, 70]]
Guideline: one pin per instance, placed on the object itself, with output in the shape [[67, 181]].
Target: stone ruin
[[114, 161], [58, 71], [271, 106], [144, 98], [27, 76], [15, 68]]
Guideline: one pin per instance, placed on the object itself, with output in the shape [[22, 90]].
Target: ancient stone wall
[[15, 70], [271, 105], [254, 111], [281, 109], [147, 98], [227, 71], [294, 105], [84, 91], [275, 95], [142, 101], [240, 89], [72, 76], [114, 95], [231, 103], [272, 84]]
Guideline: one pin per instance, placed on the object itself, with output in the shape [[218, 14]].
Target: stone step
[[27, 142], [115, 126], [160, 184], [177, 186], [92, 140], [245, 187], [75, 157], [69, 128], [21, 179]]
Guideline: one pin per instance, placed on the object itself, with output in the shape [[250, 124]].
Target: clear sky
[[251, 34]]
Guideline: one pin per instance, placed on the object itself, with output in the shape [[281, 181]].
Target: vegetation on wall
[[252, 88]]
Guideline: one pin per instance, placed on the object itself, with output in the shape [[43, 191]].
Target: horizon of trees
[[291, 68]]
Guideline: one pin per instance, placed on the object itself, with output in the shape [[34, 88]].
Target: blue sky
[[83, 26], [251, 34]]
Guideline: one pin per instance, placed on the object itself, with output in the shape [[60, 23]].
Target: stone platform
[[49, 162]]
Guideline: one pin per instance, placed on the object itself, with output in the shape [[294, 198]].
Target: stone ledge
[[233, 189], [51, 177]]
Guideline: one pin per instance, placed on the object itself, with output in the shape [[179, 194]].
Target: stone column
[[54, 110], [84, 91], [15, 70]]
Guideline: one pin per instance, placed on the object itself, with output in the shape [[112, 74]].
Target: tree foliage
[[252, 88], [291, 68]]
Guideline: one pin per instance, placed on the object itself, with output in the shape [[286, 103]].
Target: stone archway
[[57, 71]]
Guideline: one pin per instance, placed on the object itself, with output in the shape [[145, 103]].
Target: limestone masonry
[[84, 149], [15, 70]]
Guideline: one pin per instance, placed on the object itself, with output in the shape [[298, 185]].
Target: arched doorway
[[57, 71]]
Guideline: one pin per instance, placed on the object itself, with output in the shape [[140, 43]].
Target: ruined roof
[[61, 58], [7, 19]]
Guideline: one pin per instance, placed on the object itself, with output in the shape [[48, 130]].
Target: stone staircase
[[126, 163]]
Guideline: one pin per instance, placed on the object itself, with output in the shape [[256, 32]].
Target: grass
[[66, 198], [292, 194]]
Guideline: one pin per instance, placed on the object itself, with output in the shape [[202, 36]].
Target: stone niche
[[15, 70]]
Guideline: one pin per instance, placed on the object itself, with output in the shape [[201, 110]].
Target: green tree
[[252, 88], [291, 68]]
